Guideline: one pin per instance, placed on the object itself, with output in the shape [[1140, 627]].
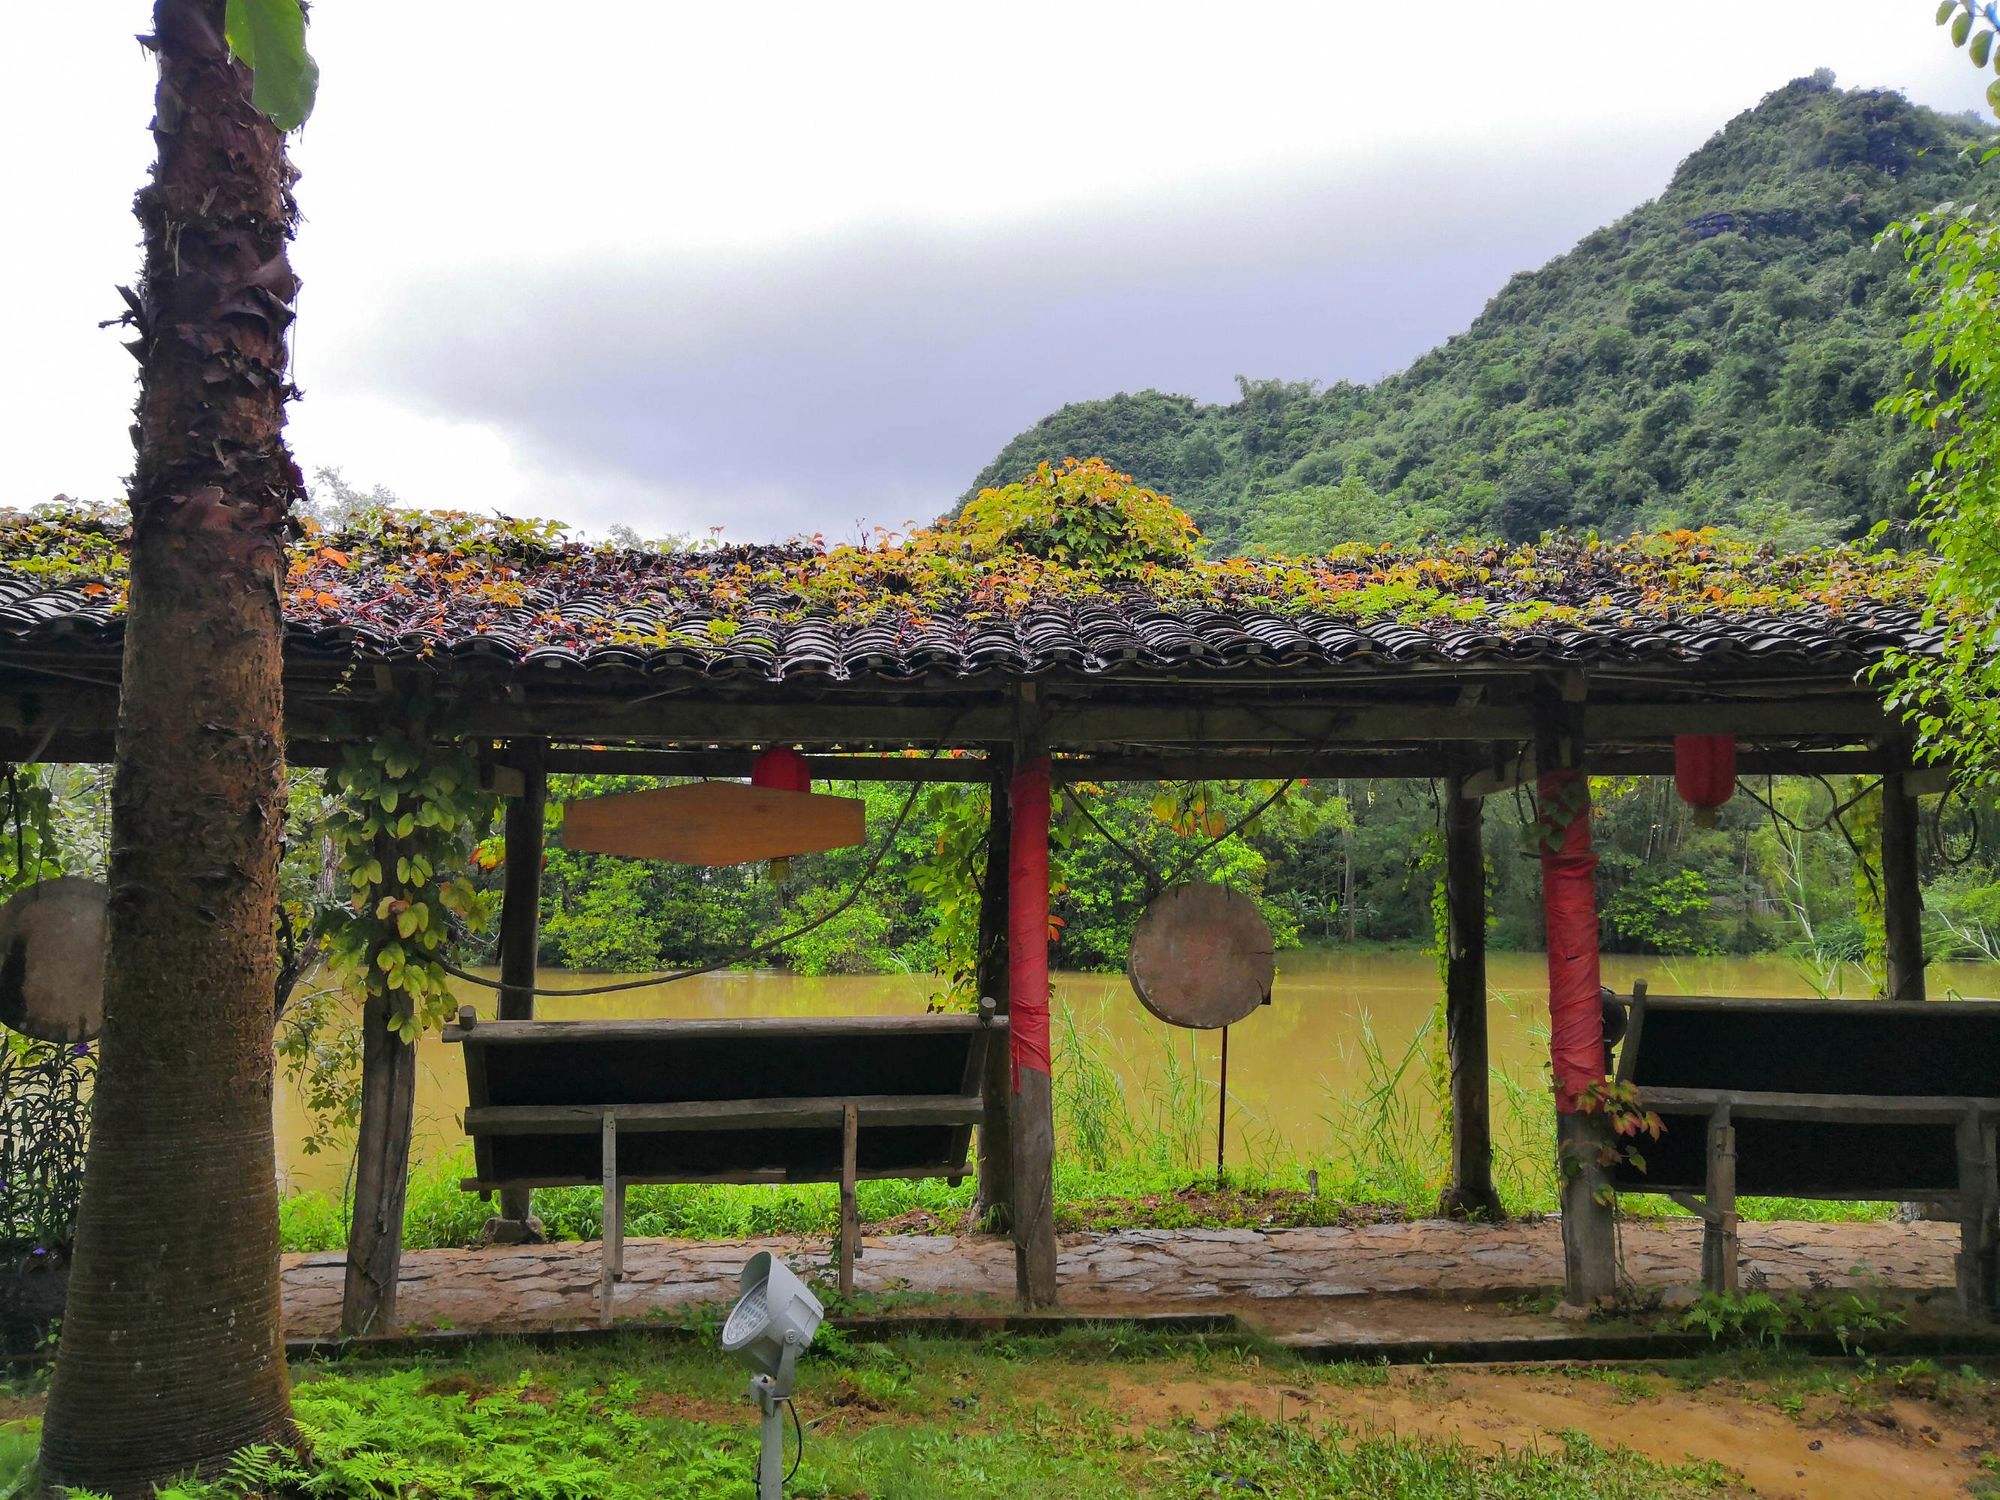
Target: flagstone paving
[[1178, 1270]]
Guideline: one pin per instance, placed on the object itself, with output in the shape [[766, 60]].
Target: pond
[[1339, 1019]]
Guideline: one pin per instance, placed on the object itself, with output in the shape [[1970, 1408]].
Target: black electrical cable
[[799, 1428]]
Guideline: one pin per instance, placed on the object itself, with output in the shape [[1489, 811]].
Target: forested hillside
[[1714, 357]]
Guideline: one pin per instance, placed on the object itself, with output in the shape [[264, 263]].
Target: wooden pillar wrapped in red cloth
[[1028, 918], [1569, 907], [1028, 1033]]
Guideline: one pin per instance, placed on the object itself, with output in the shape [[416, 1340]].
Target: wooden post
[[614, 1226], [1718, 1234], [1470, 1194], [1979, 1233], [995, 1206], [520, 942], [1028, 1033], [1902, 896], [850, 1213], [1576, 1020], [381, 1172]]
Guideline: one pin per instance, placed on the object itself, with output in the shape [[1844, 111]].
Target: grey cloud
[[869, 376]]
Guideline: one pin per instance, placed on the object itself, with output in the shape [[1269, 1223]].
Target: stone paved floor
[[1161, 1270]]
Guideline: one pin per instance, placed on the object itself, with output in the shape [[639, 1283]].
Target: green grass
[[905, 1421]]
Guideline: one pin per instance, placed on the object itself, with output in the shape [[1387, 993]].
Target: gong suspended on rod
[[1201, 957], [52, 960]]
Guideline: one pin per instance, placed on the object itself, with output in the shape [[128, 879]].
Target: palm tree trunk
[[171, 1354]]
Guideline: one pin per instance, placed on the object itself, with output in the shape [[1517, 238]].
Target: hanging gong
[[52, 939], [1201, 957]]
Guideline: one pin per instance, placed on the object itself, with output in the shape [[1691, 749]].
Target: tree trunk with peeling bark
[[172, 1355]]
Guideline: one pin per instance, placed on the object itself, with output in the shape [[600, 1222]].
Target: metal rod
[[1222, 1109]]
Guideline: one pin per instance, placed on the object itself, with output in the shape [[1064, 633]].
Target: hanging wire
[[1155, 882], [1833, 820]]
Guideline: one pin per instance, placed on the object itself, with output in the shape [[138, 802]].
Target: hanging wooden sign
[[713, 823], [52, 940], [1201, 957]]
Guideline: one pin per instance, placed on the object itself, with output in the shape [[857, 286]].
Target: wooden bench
[[1836, 1099], [568, 1103]]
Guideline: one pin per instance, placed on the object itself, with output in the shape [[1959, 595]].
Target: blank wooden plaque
[[1201, 957], [713, 823], [52, 939]]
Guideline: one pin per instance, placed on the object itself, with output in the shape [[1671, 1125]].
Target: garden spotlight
[[768, 1329]]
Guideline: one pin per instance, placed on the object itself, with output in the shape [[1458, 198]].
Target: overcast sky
[[787, 268]]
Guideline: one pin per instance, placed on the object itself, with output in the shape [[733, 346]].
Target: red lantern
[[782, 769], [1705, 773]]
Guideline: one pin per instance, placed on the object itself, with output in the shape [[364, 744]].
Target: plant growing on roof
[[1081, 513]]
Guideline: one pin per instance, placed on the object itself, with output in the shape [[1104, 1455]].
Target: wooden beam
[[850, 1212], [1847, 1109], [1033, 1100], [703, 1115], [1589, 1227], [381, 1174], [995, 1206], [1718, 1231], [520, 941], [538, 1033], [1470, 1194], [1902, 894]]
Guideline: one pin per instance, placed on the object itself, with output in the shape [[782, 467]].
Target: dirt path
[[1833, 1448], [1170, 1270]]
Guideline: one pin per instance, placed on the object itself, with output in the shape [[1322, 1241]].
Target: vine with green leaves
[[404, 817]]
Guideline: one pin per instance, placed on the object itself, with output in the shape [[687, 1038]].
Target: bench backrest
[[1879, 1047], [675, 1062], [586, 1065]]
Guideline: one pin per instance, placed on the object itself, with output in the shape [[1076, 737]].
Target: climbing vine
[[405, 817]]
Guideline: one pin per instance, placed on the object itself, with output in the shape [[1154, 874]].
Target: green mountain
[[1714, 357]]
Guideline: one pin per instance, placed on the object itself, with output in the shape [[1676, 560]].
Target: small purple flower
[[41, 1250], [80, 1049]]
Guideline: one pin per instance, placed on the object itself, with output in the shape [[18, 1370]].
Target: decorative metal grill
[[44, 1133]]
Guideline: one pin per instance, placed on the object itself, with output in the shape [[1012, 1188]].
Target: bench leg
[[618, 1250], [614, 1228], [1979, 1236], [850, 1228], [1718, 1235]]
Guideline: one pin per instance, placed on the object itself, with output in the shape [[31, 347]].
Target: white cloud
[[1118, 169]]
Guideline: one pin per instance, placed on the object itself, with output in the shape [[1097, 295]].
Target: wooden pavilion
[[1482, 668]]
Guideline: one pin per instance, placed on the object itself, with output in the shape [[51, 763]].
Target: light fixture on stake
[[768, 1329]]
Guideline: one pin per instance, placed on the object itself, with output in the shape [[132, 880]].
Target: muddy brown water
[[1290, 1064]]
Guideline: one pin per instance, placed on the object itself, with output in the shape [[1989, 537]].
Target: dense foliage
[[1954, 697], [1715, 357]]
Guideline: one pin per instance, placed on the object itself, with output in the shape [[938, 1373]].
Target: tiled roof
[[769, 613]]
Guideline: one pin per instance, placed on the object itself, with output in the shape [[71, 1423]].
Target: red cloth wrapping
[[1028, 919], [1569, 908]]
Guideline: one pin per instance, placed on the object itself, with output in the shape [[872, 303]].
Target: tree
[[172, 1355], [1952, 696]]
